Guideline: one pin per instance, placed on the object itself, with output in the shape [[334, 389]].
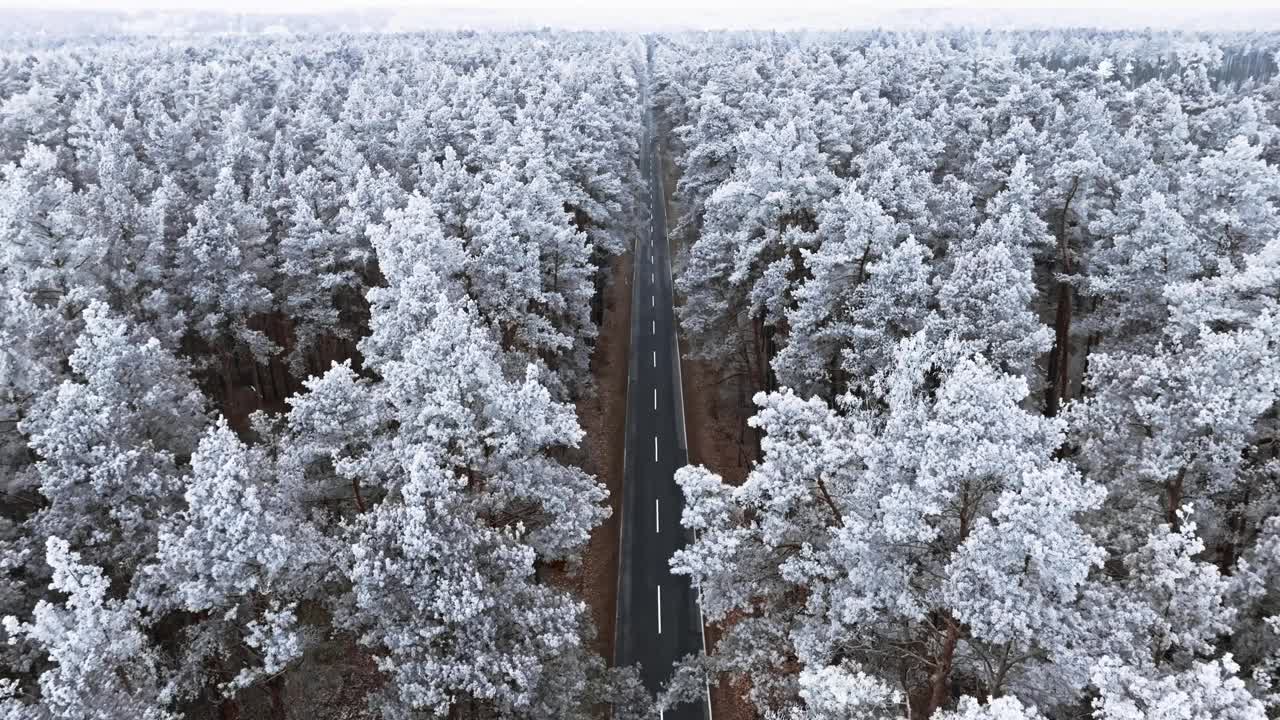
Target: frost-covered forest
[[1008, 307], [203, 513], [292, 332]]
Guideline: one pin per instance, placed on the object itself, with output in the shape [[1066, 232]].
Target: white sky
[[738, 13], [639, 8]]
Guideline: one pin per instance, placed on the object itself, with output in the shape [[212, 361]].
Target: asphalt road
[[658, 617]]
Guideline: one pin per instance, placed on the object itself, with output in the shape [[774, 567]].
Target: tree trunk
[[1228, 551], [355, 487], [761, 353], [940, 678], [229, 709], [761, 362], [1058, 389], [275, 688]]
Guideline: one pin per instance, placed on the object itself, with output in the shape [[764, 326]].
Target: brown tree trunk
[[275, 689], [355, 487], [1058, 389], [761, 354], [940, 678], [1228, 552], [761, 374]]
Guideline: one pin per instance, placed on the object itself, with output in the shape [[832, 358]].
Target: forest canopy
[[1004, 313], [292, 331]]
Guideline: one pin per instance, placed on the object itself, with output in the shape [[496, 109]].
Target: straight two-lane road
[[658, 617]]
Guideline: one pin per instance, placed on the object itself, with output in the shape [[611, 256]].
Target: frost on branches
[[1010, 315], [290, 332]]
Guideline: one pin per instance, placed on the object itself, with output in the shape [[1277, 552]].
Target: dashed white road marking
[[652, 301], [655, 448], [659, 609], [655, 398], [651, 280], [655, 358], [657, 527], [653, 327]]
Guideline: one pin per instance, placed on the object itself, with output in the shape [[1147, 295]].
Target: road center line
[[655, 398], [651, 280], [657, 527], [655, 358], [653, 327], [659, 609], [655, 448], [652, 301]]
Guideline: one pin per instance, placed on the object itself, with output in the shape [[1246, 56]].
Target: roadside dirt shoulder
[[603, 418]]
